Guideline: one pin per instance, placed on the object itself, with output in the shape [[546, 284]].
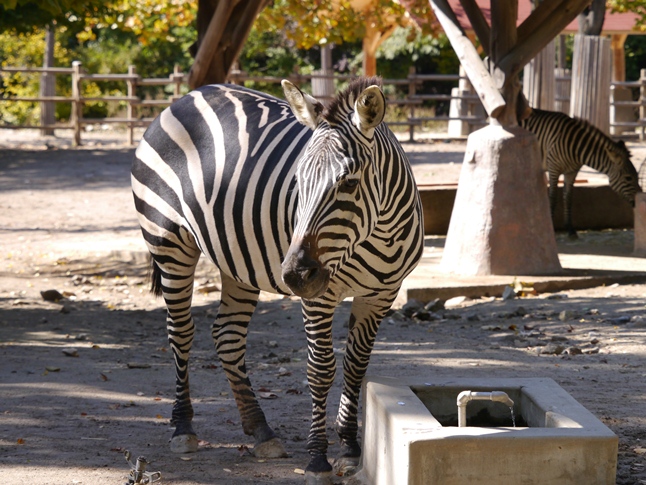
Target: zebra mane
[[343, 103]]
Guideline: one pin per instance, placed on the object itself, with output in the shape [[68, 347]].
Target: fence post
[[177, 77], [411, 93], [48, 85], [76, 114], [642, 103], [132, 92]]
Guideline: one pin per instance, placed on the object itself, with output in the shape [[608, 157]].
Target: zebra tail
[[155, 278]]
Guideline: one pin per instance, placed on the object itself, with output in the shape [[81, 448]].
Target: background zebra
[[230, 173], [567, 144]]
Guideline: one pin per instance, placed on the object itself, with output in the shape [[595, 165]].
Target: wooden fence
[[411, 102]]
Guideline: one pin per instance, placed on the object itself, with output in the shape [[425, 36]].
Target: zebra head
[[338, 180], [622, 177]]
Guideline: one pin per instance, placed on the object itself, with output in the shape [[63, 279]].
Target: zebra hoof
[[318, 478], [183, 443], [346, 465], [272, 448]]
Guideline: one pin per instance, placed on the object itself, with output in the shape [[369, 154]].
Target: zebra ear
[[369, 108], [306, 109]]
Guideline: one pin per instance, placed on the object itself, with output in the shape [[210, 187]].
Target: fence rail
[[627, 108]]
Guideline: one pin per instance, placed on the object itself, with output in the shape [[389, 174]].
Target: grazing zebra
[[567, 144], [324, 211]]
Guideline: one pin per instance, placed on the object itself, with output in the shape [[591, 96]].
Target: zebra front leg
[[364, 323], [568, 186], [176, 280], [321, 370], [237, 305]]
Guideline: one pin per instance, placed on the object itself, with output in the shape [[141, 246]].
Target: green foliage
[[407, 47], [635, 47], [25, 16]]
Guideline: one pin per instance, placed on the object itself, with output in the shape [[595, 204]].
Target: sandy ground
[[90, 376]]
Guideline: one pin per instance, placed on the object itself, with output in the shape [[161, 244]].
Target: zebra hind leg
[[237, 305], [174, 277]]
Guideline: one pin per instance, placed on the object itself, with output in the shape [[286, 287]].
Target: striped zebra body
[[325, 211], [569, 143]]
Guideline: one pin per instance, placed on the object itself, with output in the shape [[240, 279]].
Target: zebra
[[287, 197], [567, 144]]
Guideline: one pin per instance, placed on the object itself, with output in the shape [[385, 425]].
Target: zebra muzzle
[[304, 275]]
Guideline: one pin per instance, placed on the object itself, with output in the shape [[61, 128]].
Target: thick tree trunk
[[223, 27]]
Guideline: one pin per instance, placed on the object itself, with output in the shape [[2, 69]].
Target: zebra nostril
[[310, 274]]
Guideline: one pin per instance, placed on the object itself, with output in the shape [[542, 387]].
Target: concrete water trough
[[411, 435]]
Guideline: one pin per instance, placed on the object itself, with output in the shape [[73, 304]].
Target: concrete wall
[[593, 207]]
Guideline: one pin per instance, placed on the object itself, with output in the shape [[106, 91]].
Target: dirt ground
[[89, 376]]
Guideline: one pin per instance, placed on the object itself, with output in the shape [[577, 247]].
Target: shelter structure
[[539, 83], [618, 26], [501, 222]]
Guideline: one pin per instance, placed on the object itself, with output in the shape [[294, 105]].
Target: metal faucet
[[466, 396]]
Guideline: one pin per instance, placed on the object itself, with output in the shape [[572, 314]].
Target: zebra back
[[568, 143]]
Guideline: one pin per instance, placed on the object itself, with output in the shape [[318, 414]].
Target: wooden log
[[591, 72], [478, 74]]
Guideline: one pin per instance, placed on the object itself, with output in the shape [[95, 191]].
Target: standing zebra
[[567, 144], [326, 211]]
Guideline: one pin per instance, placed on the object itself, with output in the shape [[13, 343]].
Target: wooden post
[[538, 79], [132, 92], [617, 45], [177, 78], [412, 89], [591, 71], [642, 104], [562, 88], [77, 107], [48, 84], [619, 113]]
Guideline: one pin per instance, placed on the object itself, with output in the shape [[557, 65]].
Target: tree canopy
[[636, 6]]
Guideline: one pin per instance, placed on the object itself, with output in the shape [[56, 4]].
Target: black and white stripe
[[567, 144], [326, 211]]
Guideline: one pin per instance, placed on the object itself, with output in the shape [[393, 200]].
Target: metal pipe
[[466, 396]]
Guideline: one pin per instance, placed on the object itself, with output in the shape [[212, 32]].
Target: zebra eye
[[349, 184]]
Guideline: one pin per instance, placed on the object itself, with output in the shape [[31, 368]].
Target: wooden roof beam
[[480, 78], [478, 23], [545, 22]]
